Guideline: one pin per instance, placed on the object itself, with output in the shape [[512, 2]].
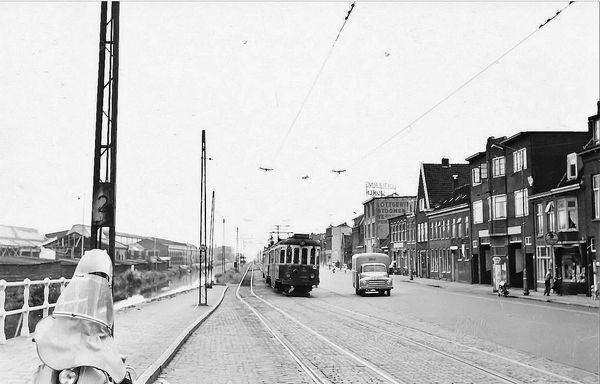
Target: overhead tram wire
[[459, 88], [314, 82]]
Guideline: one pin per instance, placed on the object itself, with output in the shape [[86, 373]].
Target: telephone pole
[[202, 298], [212, 234], [223, 260]]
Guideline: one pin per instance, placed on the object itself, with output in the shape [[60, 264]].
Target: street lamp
[[504, 147]]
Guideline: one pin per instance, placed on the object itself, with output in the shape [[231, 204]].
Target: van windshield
[[374, 268]]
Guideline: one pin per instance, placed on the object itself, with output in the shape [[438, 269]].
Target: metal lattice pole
[[105, 152]]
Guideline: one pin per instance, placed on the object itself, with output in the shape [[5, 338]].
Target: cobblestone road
[[233, 346]]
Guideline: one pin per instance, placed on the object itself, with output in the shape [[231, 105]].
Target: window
[[476, 176], [467, 229], [539, 219], [521, 203], [454, 232], [597, 131], [304, 256], [296, 255], [288, 255], [312, 256], [498, 164], [571, 166], [461, 232], [484, 172], [519, 160], [282, 256], [596, 195], [543, 262], [499, 207], [477, 212], [550, 218], [421, 204], [567, 214]]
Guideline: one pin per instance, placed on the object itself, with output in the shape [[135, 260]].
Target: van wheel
[[357, 291], [389, 292]]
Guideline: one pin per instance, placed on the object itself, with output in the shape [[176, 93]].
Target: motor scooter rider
[[77, 339]]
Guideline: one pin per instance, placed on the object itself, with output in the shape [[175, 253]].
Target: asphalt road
[[561, 333]]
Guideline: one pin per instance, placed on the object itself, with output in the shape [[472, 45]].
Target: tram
[[292, 265]]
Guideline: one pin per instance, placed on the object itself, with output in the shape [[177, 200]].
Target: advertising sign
[[375, 189]]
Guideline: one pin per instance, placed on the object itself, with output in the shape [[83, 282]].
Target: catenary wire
[[459, 88], [313, 84]]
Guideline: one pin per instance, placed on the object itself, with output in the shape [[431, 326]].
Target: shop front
[[570, 268]]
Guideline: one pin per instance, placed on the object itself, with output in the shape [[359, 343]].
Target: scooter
[[503, 289], [75, 343]]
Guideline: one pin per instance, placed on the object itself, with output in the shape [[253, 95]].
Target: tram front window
[[304, 256], [312, 255], [282, 256], [296, 256], [288, 255]]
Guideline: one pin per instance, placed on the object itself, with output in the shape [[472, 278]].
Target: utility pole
[[278, 231], [223, 261], [202, 298], [105, 150], [212, 234]]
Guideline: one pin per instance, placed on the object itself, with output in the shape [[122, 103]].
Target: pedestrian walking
[[547, 280]]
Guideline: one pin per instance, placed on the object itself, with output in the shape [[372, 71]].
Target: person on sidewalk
[[547, 280]]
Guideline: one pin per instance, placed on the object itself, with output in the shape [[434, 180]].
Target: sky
[[292, 86]]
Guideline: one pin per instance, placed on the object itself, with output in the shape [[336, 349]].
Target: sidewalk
[[149, 334], [578, 300]]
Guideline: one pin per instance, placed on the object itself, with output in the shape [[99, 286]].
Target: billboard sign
[[374, 189]]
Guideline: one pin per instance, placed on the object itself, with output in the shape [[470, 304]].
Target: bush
[[229, 277]]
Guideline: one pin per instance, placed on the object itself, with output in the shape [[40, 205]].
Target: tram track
[[492, 367], [376, 364], [313, 372], [546, 374], [495, 360]]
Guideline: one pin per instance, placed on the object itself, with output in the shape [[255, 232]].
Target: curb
[[151, 373], [530, 298]]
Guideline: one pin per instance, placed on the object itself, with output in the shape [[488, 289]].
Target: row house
[[358, 235], [437, 182], [449, 241], [567, 219], [502, 179], [403, 242], [377, 212]]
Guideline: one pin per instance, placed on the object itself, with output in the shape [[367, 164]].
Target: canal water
[[174, 285]]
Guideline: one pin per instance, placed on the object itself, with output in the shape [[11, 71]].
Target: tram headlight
[[288, 275], [312, 275]]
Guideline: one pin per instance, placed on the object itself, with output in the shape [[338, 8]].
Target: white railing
[[26, 309]]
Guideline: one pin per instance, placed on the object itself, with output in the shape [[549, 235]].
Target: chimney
[[445, 163], [454, 182]]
